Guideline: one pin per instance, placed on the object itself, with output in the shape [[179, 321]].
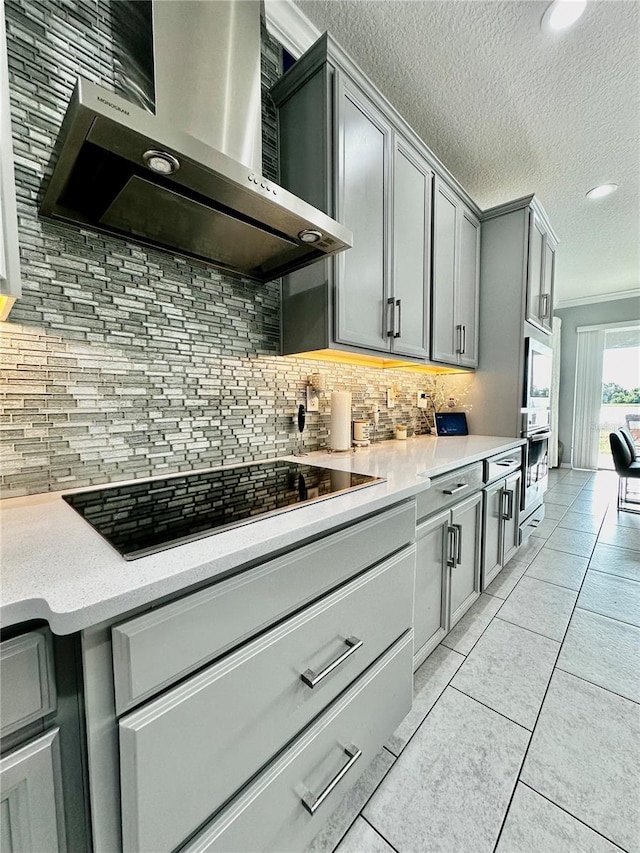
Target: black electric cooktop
[[144, 517]]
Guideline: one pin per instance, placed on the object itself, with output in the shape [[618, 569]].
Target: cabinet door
[[492, 532], [445, 236], [30, 808], [535, 271], [511, 516], [429, 611], [411, 244], [364, 141], [465, 574], [546, 298], [466, 302]]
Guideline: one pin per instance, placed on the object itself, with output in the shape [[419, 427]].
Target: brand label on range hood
[[114, 106]]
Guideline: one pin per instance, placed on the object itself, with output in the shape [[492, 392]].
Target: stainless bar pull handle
[[504, 504], [312, 802], [510, 502], [458, 529], [507, 463], [451, 546], [544, 306], [463, 347], [312, 678], [457, 489], [391, 317], [459, 340], [399, 307]]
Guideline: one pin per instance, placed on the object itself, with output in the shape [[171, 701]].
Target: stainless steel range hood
[[187, 176]]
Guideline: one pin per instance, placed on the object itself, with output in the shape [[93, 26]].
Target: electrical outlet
[[423, 398], [391, 398]]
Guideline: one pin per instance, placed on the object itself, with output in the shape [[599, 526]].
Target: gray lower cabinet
[[238, 713], [287, 804], [456, 278], [26, 673], [243, 712], [430, 604], [500, 525], [464, 556], [30, 798], [448, 558]]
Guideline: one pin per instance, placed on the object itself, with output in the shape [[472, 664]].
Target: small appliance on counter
[[451, 423]]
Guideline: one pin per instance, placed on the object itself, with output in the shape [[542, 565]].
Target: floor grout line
[[377, 831], [597, 571], [594, 684], [597, 613], [537, 633], [533, 731], [554, 668], [558, 806], [489, 708]]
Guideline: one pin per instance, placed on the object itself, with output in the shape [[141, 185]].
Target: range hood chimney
[[174, 159]]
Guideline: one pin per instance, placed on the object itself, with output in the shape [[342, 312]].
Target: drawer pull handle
[[451, 545], [507, 513], [458, 529], [311, 802], [312, 678], [457, 489], [507, 463]]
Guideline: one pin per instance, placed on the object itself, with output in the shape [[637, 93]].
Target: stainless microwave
[[536, 403]]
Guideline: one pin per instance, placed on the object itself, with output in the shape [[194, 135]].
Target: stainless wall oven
[[536, 416], [536, 471]]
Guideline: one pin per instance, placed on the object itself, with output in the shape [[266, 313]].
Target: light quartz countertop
[[55, 567]]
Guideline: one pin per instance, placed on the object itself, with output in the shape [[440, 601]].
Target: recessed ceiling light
[[562, 14], [602, 190]]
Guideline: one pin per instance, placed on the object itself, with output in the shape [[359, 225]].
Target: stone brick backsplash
[[120, 361]]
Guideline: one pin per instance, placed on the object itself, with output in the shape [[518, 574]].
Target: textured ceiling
[[511, 111]]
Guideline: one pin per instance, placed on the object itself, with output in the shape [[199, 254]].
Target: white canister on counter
[[361, 432], [340, 433]]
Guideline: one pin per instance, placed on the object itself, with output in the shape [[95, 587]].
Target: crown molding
[[288, 25], [602, 297]]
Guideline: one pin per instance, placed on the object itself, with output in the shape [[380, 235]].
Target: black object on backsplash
[[301, 422], [147, 516]]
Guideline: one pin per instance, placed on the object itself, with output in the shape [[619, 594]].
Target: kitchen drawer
[[156, 649], [26, 680], [31, 808], [529, 524], [270, 815], [502, 464], [449, 489], [240, 711]]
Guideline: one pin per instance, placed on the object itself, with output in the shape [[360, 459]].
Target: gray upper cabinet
[[456, 277], [344, 148], [413, 181], [364, 145], [540, 274], [10, 278]]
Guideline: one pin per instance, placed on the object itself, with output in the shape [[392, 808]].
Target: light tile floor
[[524, 735]]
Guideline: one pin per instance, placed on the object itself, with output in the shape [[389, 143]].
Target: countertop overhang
[[56, 568]]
